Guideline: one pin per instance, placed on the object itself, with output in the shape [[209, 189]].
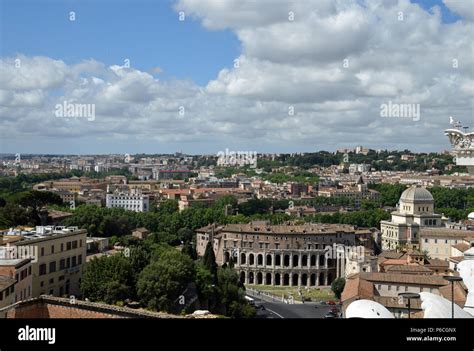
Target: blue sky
[[146, 32], [243, 108]]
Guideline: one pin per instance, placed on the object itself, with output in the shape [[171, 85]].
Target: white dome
[[470, 216], [367, 309], [435, 306], [416, 194]]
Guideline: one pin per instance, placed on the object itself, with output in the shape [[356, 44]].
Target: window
[[42, 269], [62, 247], [52, 267], [52, 249], [79, 259], [74, 261], [74, 244], [42, 251], [68, 246], [51, 281], [62, 263]]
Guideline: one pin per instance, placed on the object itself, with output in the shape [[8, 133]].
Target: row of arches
[[285, 260], [286, 279]]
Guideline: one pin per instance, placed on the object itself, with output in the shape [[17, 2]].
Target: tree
[[185, 234], [337, 287], [209, 260], [189, 250], [108, 278], [163, 281]]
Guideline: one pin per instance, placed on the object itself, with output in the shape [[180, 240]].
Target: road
[[278, 309]]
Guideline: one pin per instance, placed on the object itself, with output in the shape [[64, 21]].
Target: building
[[355, 193], [309, 255], [58, 255], [298, 189], [141, 233], [356, 263], [7, 292], [415, 210], [133, 202], [438, 242], [21, 270], [385, 287]]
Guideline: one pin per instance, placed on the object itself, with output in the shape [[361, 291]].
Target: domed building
[[415, 210]]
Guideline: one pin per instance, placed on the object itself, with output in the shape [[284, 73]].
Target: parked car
[[330, 315], [322, 303], [332, 303]]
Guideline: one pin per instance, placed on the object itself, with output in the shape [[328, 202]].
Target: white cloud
[[464, 8], [334, 65]]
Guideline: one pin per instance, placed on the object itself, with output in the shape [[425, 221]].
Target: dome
[[416, 194], [470, 216], [367, 309]]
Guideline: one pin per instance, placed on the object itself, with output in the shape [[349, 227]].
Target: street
[[279, 309]]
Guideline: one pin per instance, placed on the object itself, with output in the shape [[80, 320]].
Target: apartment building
[[58, 255], [19, 269], [7, 292], [438, 242], [133, 202]]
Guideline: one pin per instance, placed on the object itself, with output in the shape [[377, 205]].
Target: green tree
[[337, 287], [108, 278], [162, 282], [209, 260]]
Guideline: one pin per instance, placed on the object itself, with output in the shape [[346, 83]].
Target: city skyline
[[273, 77]]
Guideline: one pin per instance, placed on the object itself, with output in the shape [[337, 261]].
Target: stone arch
[[329, 278], [286, 279], [277, 260], [243, 258], [321, 260], [226, 257], [277, 279], [259, 260], [269, 260], [304, 279], [313, 261], [312, 280], [294, 279], [286, 260], [296, 260], [304, 261], [268, 279], [259, 278], [321, 278], [251, 278], [251, 259], [242, 277]]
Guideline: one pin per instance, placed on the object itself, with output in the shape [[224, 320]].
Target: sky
[[203, 76]]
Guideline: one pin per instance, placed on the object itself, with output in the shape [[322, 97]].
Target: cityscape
[[237, 160]]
